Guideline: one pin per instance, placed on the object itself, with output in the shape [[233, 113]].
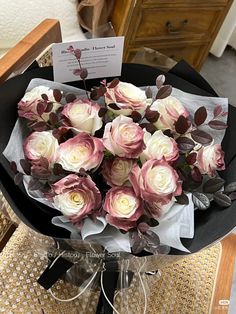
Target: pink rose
[[209, 159], [127, 97], [169, 108], [116, 170], [81, 151], [83, 115], [76, 197], [159, 146], [123, 137], [41, 144], [156, 181], [158, 209], [123, 207], [27, 107]]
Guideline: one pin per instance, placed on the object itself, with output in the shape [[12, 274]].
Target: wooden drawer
[[191, 54], [175, 23], [193, 2]]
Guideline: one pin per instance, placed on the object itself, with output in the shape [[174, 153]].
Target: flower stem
[[85, 87]]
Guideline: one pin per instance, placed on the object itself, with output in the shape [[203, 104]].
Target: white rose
[[30, 100], [128, 97], [81, 151], [36, 93], [159, 146], [83, 115], [169, 108], [41, 144], [69, 203]]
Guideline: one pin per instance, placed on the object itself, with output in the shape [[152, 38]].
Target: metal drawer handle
[[172, 30]]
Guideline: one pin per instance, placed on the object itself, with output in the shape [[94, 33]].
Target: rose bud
[[159, 146], [41, 144], [123, 137], [81, 151], [76, 197], [156, 181], [123, 207], [27, 107], [83, 115], [115, 170], [209, 159], [127, 97], [169, 108]]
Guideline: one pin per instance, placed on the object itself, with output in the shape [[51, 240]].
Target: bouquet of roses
[[121, 159]]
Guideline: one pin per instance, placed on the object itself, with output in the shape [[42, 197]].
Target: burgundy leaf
[[201, 137], [77, 72], [160, 80], [149, 127], [152, 115], [57, 95], [13, 167], [77, 53], [232, 196], [39, 126], [168, 133], [196, 174], [181, 125], [217, 125], [114, 106], [44, 97], [182, 199], [40, 173], [57, 169], [151, 238], [53, 118], [18, 178], [114, 83], [191, 158], [101, 90], [148, 92], [35, 184], [49, 107], [230, 187], [83, 74], [217, 111], [164, 92], [56, 133], [213, 185], [70, 98], [222, 200], [224, 114], [200, 200], [143, 227], [136, 116], [94, 95], [102, 111], [41, 106], [200, 115], [25, 166], [137, 243], [185, 144], [150, 221], [82, 172], [70, 49]]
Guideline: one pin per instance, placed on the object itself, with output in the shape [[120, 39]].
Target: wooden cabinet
[[181, 29]]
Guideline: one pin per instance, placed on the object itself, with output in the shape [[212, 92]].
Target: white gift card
[[102, 57]]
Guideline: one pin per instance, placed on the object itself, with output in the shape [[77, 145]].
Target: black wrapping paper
[[210, 225]]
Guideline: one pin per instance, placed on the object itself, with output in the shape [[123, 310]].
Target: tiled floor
[[221, 74]]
